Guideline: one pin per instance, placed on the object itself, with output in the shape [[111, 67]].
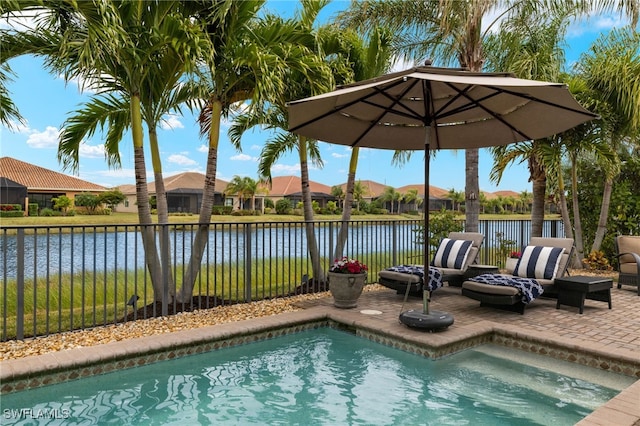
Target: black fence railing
[[62, 278]]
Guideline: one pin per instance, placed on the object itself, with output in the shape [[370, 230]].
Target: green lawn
[[132, 218]]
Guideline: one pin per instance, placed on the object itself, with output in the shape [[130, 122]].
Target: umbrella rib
[[346, 105], [385, 110], [477, 102]]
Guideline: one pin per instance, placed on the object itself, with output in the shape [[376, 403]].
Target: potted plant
[[346, 281], [512, 261]]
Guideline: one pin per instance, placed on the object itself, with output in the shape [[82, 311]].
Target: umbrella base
[[433, 321]]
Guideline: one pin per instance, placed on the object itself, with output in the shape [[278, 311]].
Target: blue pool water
[[325, 377]]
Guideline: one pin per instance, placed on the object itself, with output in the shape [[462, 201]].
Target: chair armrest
[[636, 256]]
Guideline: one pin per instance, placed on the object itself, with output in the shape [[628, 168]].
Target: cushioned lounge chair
[[512, 298], [628, 248], [452, 258]]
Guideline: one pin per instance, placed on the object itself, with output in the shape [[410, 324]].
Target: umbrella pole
[[425, 237]]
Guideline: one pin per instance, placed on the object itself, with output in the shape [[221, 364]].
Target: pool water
[[326, 377]]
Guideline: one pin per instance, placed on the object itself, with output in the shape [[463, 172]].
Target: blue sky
[[45, 102]]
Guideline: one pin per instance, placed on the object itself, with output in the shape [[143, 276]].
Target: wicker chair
[[628, 248]]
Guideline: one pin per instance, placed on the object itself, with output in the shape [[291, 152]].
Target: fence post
[[247, 262], [165, 256], [20, 284], [394, 248]]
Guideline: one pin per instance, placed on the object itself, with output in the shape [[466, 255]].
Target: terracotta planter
[[510, 266], [346, 289]]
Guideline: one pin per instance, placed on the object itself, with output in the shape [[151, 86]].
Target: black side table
[[572, 291], [475, 270]]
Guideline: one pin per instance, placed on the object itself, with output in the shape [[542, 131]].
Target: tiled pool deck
[[603, 338]]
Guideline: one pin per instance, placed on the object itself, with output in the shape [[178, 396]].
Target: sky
[[45, 101]]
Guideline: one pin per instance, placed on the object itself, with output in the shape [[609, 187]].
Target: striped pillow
[[539, 262], [451, 253]]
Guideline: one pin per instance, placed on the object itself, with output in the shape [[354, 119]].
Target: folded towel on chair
[[435, 276], [529, 287]]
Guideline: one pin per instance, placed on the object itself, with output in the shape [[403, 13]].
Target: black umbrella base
[[433, 321]]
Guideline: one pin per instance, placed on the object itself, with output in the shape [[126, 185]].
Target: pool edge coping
[[55, 367]]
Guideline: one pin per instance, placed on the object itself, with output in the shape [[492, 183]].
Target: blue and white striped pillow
[[451, 253], [539, 262]]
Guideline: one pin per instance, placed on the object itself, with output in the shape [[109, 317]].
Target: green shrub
[[49, 212], [283, 206], [33, 209], [11, 213]]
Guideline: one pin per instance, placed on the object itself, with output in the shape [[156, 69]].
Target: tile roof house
[[44, 184], [184, 193], [291, 187]]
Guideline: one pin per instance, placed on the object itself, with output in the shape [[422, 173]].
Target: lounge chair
[[628, 248], [452, 258], [506, 296]]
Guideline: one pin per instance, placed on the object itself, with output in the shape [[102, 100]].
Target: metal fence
[[63, 278]]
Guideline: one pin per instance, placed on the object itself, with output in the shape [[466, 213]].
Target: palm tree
[[237, 187], [338, 193], [367, 58], [254, 58], [359, 191], [390, 195], [411, 196], [456, 197], [313, 76], [112, 46], [452, 30], [611, 71]]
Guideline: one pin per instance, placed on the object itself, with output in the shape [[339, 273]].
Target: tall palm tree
[[113, 46], [253, 59], [611, 71], [312, 77], [452, 30], [367, 58]]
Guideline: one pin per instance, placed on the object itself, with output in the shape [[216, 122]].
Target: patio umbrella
[[427, 108]]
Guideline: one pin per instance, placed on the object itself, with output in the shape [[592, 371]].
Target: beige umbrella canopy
[[437, 108], [462, 109]]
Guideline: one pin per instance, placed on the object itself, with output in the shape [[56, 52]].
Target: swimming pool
[[326, 376]]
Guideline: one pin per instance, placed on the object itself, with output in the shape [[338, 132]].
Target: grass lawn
[[132, 218]]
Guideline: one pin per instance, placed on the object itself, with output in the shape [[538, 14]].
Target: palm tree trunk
[[539, 179], [347, 205], [312, 244], [604, 215], [201, 239], [472, 191], [142, 198], [161, 204], [579, 242]]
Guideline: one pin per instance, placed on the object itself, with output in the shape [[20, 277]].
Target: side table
[[572, 291], [475, 270]]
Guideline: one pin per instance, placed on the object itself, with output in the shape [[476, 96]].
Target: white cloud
[[118, 173], [170, 122], [243, 157], [336, 155], [181, 160], [255, 148], [203, 148], [283, 168], [91, 151], [46, 139]]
